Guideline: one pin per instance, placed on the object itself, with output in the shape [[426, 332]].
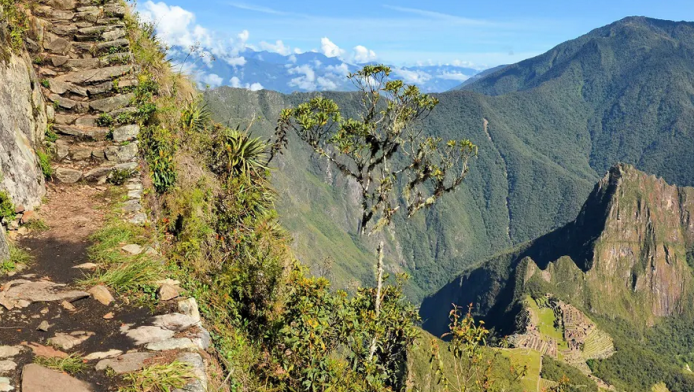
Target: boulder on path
[[9, 351], [126, 363], [7, 366], [68, 341], [103, 354], [22, 293], [36, 378], [101, 294]]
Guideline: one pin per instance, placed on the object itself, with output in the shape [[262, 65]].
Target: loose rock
[[125, 363], [168, 292], [68, 341], [103, 355], [133, 249], [101, 294], [21, 293], [37, 378]]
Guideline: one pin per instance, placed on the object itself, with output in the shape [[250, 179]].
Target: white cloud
[[330, 49], [453, 76], [342, 69], [306, 80], [236, 83], [255, 87], [326, 84], [213, 80], [277, 47], [363, 55], [466, 64], [176, 27], [411, 76], [292, 59]]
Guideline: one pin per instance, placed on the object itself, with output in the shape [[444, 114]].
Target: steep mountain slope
[[622, 93], [625, 261]]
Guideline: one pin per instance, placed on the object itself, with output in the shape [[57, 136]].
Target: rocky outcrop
[[626, 256], [23, 124]]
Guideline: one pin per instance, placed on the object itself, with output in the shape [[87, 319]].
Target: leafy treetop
[[394, 162]]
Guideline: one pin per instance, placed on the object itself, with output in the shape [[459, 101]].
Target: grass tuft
[[138, 273], [72, 364], [18, 256], [159, 378]]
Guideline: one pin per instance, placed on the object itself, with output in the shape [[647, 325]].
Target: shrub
[[51, 136], [120, 176], [160, 147], [6, 206], [238, 153], [45, 163]]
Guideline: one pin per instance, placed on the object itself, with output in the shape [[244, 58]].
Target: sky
[[480, 34]]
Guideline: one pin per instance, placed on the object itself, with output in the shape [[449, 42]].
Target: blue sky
[[484, 33]]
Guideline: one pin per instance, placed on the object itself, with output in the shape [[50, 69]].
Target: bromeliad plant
[[236, 152]]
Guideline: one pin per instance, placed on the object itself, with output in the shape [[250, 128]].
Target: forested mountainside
[[621, 93], [610, 293]]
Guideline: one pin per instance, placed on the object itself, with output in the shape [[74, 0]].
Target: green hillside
[[620, 276], [554, 124]]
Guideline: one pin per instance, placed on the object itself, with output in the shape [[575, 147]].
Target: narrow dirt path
[[46, 313], [73, 214]]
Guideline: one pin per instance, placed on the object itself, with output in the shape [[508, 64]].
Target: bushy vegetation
[[274, 326], [6, 206], [558, 371], [17, 25]]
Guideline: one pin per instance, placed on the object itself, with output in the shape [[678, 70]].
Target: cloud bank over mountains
[[215, 60]]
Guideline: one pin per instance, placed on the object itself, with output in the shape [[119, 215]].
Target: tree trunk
[[379, 288]]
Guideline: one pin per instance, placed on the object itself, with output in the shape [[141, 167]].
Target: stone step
[[100, 172], [76, 119], [71, 174], [82, 132], [95, 152], [95, 76], [107, 33], [96, 48], [112, 104]]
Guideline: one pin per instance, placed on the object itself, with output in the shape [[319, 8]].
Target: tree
[[392, 160], [395, 162]]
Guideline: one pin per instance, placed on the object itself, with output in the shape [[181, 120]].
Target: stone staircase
[[86, 70]]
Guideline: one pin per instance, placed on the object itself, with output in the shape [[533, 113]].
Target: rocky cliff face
[[626, 256], [23, 123], [22, 126]]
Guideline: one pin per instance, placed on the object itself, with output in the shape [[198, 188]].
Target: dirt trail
[[73, 214]]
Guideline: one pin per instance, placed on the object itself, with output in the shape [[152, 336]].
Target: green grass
[[109, 240], [18, 257], [158, 378], [6, 205], [546, 320], [532, 359], [45, 163], [72, 364], [135, 274], [37, 225]]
